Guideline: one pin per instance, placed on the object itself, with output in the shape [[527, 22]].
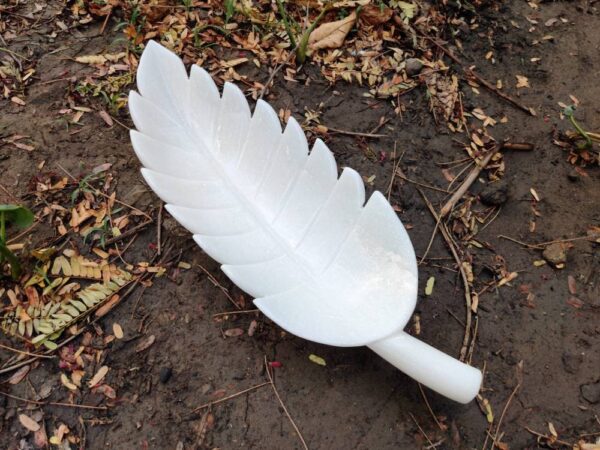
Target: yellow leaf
[[317, 360], [429, 286]]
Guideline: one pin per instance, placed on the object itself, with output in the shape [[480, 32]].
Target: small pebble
[[591, 392], [555, 254], [413, 66], [165, 374]]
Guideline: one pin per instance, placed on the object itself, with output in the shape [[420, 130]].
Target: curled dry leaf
[[29, 423], [332, 34]]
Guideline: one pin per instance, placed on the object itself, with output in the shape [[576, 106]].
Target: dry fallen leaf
[[429, 286], [522, 82], [18, 376], [99, 376], [64, 379], [29, 423], [146, 343], [375, 15], [118, 331], [317, 360], [332, 34]]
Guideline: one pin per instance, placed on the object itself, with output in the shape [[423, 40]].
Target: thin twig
[[275, 71], [541, 245], [468, 182], [429, 408], [223, 289], [423, 185], [421, 429], [21, 234], [467, 289], [512, 394], [10, 194], [395, 165], [229, 397], [158, 229], [287, 413], [129, 232], [68, 405], [99, 192], [471, 74], [106, 20], [22, 352], [549, 438], [355, 133], [230, 313]]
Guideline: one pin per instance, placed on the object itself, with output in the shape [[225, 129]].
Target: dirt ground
[[357, 400]]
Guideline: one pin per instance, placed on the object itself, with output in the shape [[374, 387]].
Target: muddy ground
[[357, 400]]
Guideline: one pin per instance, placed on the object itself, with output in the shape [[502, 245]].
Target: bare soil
[[357, 400]]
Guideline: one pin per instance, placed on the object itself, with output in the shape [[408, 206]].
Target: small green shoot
[[569, 112], [229, 10], [301, 47], [21, 217]]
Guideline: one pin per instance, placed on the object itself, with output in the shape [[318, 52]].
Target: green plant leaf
[[6, 254], [18, 215]]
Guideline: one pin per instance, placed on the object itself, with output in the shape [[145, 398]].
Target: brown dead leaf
[[332, 34], [106, 117], [18, 376], [375, 14]]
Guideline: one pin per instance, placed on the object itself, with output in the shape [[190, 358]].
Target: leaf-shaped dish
[[320, 262]]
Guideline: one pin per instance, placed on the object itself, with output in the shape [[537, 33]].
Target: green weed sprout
[[569, 112], [21, 217]]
